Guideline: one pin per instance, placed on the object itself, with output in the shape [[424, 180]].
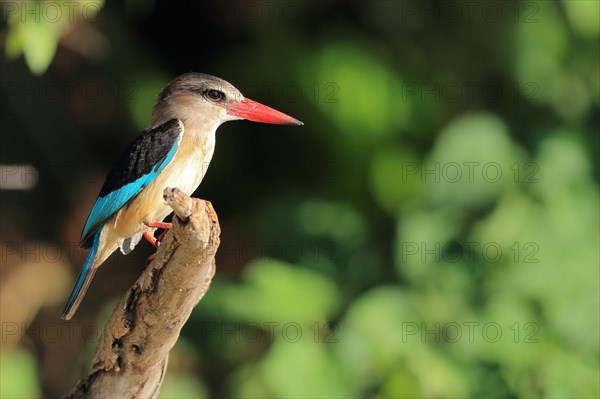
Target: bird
[[174, 151]]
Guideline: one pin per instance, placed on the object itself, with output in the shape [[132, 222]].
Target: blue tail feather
[[83, 280]]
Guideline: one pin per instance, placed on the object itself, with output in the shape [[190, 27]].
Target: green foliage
[[452, 248], [35, 27], [276, 291], [368, 108], [37, 41], [18, 378], [178, 386]]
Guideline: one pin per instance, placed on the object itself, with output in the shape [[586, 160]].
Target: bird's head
[[208, 99]]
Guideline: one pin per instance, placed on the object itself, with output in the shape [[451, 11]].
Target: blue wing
[[137, 167], [83, 280]]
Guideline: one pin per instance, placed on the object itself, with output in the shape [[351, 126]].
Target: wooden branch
[[131, 358]]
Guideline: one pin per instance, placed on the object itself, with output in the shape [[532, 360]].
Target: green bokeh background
[[431, 232]]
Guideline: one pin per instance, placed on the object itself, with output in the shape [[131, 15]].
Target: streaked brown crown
[[200, 84]]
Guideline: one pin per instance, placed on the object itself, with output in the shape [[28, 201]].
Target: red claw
[[159, 225]]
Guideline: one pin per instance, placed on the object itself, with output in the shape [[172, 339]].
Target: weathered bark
[[131, 358]]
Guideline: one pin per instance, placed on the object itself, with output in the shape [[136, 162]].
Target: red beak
[[253, 111]]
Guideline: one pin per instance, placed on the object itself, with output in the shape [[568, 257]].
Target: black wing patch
[[142, 155], [137, 167]]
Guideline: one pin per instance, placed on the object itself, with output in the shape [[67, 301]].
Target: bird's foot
[[159, 225], [150, 238]]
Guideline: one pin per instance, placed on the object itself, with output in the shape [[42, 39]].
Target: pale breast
[[185, 171]]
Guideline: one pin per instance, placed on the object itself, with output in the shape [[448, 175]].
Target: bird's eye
[[215, 95]]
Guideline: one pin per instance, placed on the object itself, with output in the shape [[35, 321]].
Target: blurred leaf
[[563, 162], [365, 340], [470, 164], [367, 344], [18, 375], [540, 45], [401, 383], [367, 105], [567, 375], [439, 376], [338, 221], [274, 291], [14, 44], [543, 66], [422, 239], [248, 382], [395, 178], [35, 28], [38, 40], [181, 386], [584, 17], [289, 365]]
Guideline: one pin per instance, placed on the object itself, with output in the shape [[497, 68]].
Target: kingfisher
[[174, 151]]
